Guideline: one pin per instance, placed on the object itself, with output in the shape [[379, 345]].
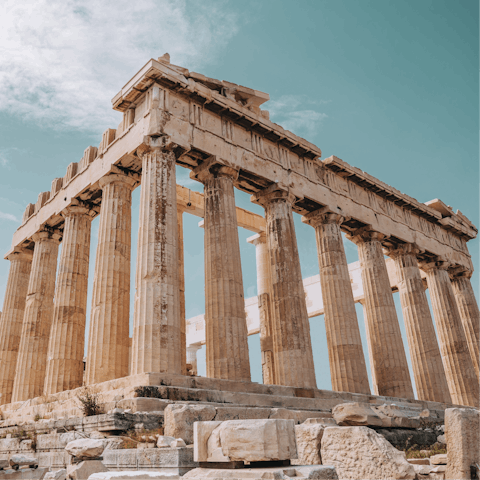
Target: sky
[[389, 87]]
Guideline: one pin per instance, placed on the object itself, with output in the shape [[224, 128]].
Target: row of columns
[[43, 322]]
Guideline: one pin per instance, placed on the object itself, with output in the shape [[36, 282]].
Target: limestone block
[[164, 441], [136, 475], [23, 474], [244, 440], [394, 416], [4, 463], [178, 443], [360, 452], [179, 420], [57, 184], [56, 475], [83, 470], [440, 459], [402, 438], [86, 447], [462, 427], [309, 437], [22, 460], [355, 414], [321, 420], [317, 472], [419, 461]]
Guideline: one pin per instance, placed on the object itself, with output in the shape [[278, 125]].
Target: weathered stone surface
[[23, 474], [462, 426], [244, 440], [314, 472], [321, 420], [440, 459], [361, 453], [83, 470], [355, 414], [419, 461], [178, 443], [164, 441], [21, 460], [405, 438], [56, 475], [137, 475], [86, 447], [309, 437], [179, 420]]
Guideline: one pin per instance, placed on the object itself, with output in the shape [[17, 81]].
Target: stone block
[[83, 470], [309, 437], [164, 441], [440, 459], [462, 427], [419, 461], [404, 438], [179, 420], [356, 414], [4, 463], [321, 421], [23, 474], [360, 452], [142, 404], [23, 460], [244, 440], [136, 475], [56, 475], [86, 447]]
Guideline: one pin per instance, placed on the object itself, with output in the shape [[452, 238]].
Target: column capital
[[324, 216], [365, 234], [257, 239], [20, 253], [399, 250], [438, 262], [212, 168], [273, 193], [47, 233], [459, 272], [77, 207], [121, 177]]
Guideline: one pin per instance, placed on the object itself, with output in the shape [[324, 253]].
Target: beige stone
[[84, 470], [462, 427], [469, 314], [86, 447], [225, 321], [361, 453], [108, 343], [457, 362], [439, 459], [56, 475], [309, 437], [23, 460], [265, 306], [135, 475], [356, 414], [388, 360], [179, 420], [37, 320], [347, 362], [157, 328], [245, 440], [428, 372], [181, 286], [64, 369], [165, 442], [12, 319], [292, 345], [317, 472]]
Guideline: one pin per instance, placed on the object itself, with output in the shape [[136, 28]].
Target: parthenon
[[217, 129]]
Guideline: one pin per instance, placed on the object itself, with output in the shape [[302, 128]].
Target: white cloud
[[298, 114], [62, 61], [8, 216]]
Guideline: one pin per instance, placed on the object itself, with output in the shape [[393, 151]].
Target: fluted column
[[37, 320], [191, 352], [12, 318], [67, 336], [181, 287], [389, 360], [225, 320], [107, 355], [265, 307], [292, 345], [469, 314], [347, 362], [157, 331], [458, 365], [428, 371]]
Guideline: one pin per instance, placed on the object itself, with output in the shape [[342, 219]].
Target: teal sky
[[390, 87]]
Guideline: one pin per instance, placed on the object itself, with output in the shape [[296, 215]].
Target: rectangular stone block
[[244, 440]]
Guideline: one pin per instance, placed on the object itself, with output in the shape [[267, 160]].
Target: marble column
[[12, 318], [428, 371], [225, 320], [265, 307], [107, 355], [370, 351], [469, 314], [37, 320], [292, 345], [67, 336], [458, 365], [347, 362], [191, 351], [181, 287], [157, 329], [389, 360]]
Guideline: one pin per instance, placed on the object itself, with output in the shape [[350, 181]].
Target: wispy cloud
[[8, 216], [63, 60], [297, 113]]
